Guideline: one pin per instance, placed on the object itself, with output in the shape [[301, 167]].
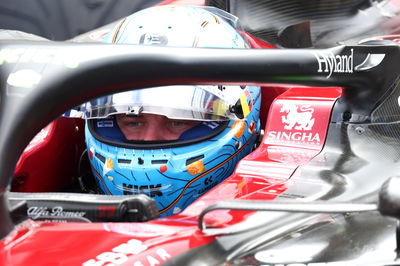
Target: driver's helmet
[[220, 124]]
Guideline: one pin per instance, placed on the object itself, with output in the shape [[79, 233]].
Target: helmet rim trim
[[146, 145]]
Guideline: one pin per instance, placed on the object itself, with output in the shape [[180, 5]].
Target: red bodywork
[[49, 163], [263, 175]]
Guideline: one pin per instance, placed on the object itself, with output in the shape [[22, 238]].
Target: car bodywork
[[332, 161], [332, 138]]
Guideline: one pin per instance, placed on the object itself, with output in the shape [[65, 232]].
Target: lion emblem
[[297, 118]]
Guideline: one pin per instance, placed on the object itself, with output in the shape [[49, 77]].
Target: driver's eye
[[135, 124], [178, 123]]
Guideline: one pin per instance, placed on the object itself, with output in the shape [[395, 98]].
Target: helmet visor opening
[[199, 103], [111, 132]]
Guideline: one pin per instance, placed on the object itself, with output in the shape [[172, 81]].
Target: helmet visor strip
[[200, 103]]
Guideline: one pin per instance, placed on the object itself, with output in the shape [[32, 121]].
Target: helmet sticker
[[238, 128], [176, 210], [108, 166], [91, 153], [105, 123], [238, 145], [252, 127], [196, 168], [163, 168], [244, 104]]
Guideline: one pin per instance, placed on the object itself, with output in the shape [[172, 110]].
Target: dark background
[[288, 23], [64, 19]]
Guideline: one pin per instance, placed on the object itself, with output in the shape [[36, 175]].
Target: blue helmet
[[223, 126]]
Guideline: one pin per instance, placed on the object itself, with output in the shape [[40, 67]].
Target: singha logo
[[299, 119]]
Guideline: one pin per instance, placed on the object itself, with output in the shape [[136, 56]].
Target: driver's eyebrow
[[128, 118]]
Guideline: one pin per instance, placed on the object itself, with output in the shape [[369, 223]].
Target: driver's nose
[[154, 133], [157, 129]]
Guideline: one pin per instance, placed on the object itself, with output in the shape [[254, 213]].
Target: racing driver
[[172, 143]]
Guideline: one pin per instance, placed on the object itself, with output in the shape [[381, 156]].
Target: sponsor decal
[[41, 56], [36, 212], [107, 211], [211, 124], [297, 118], [300, 121], [292, 157], [208, 187], [121, 253], [295, 137], [105, 123], [151, 190], [371, 61], [153, 39], [208, 183], [138, 229], [25, 78], [331, 63]]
